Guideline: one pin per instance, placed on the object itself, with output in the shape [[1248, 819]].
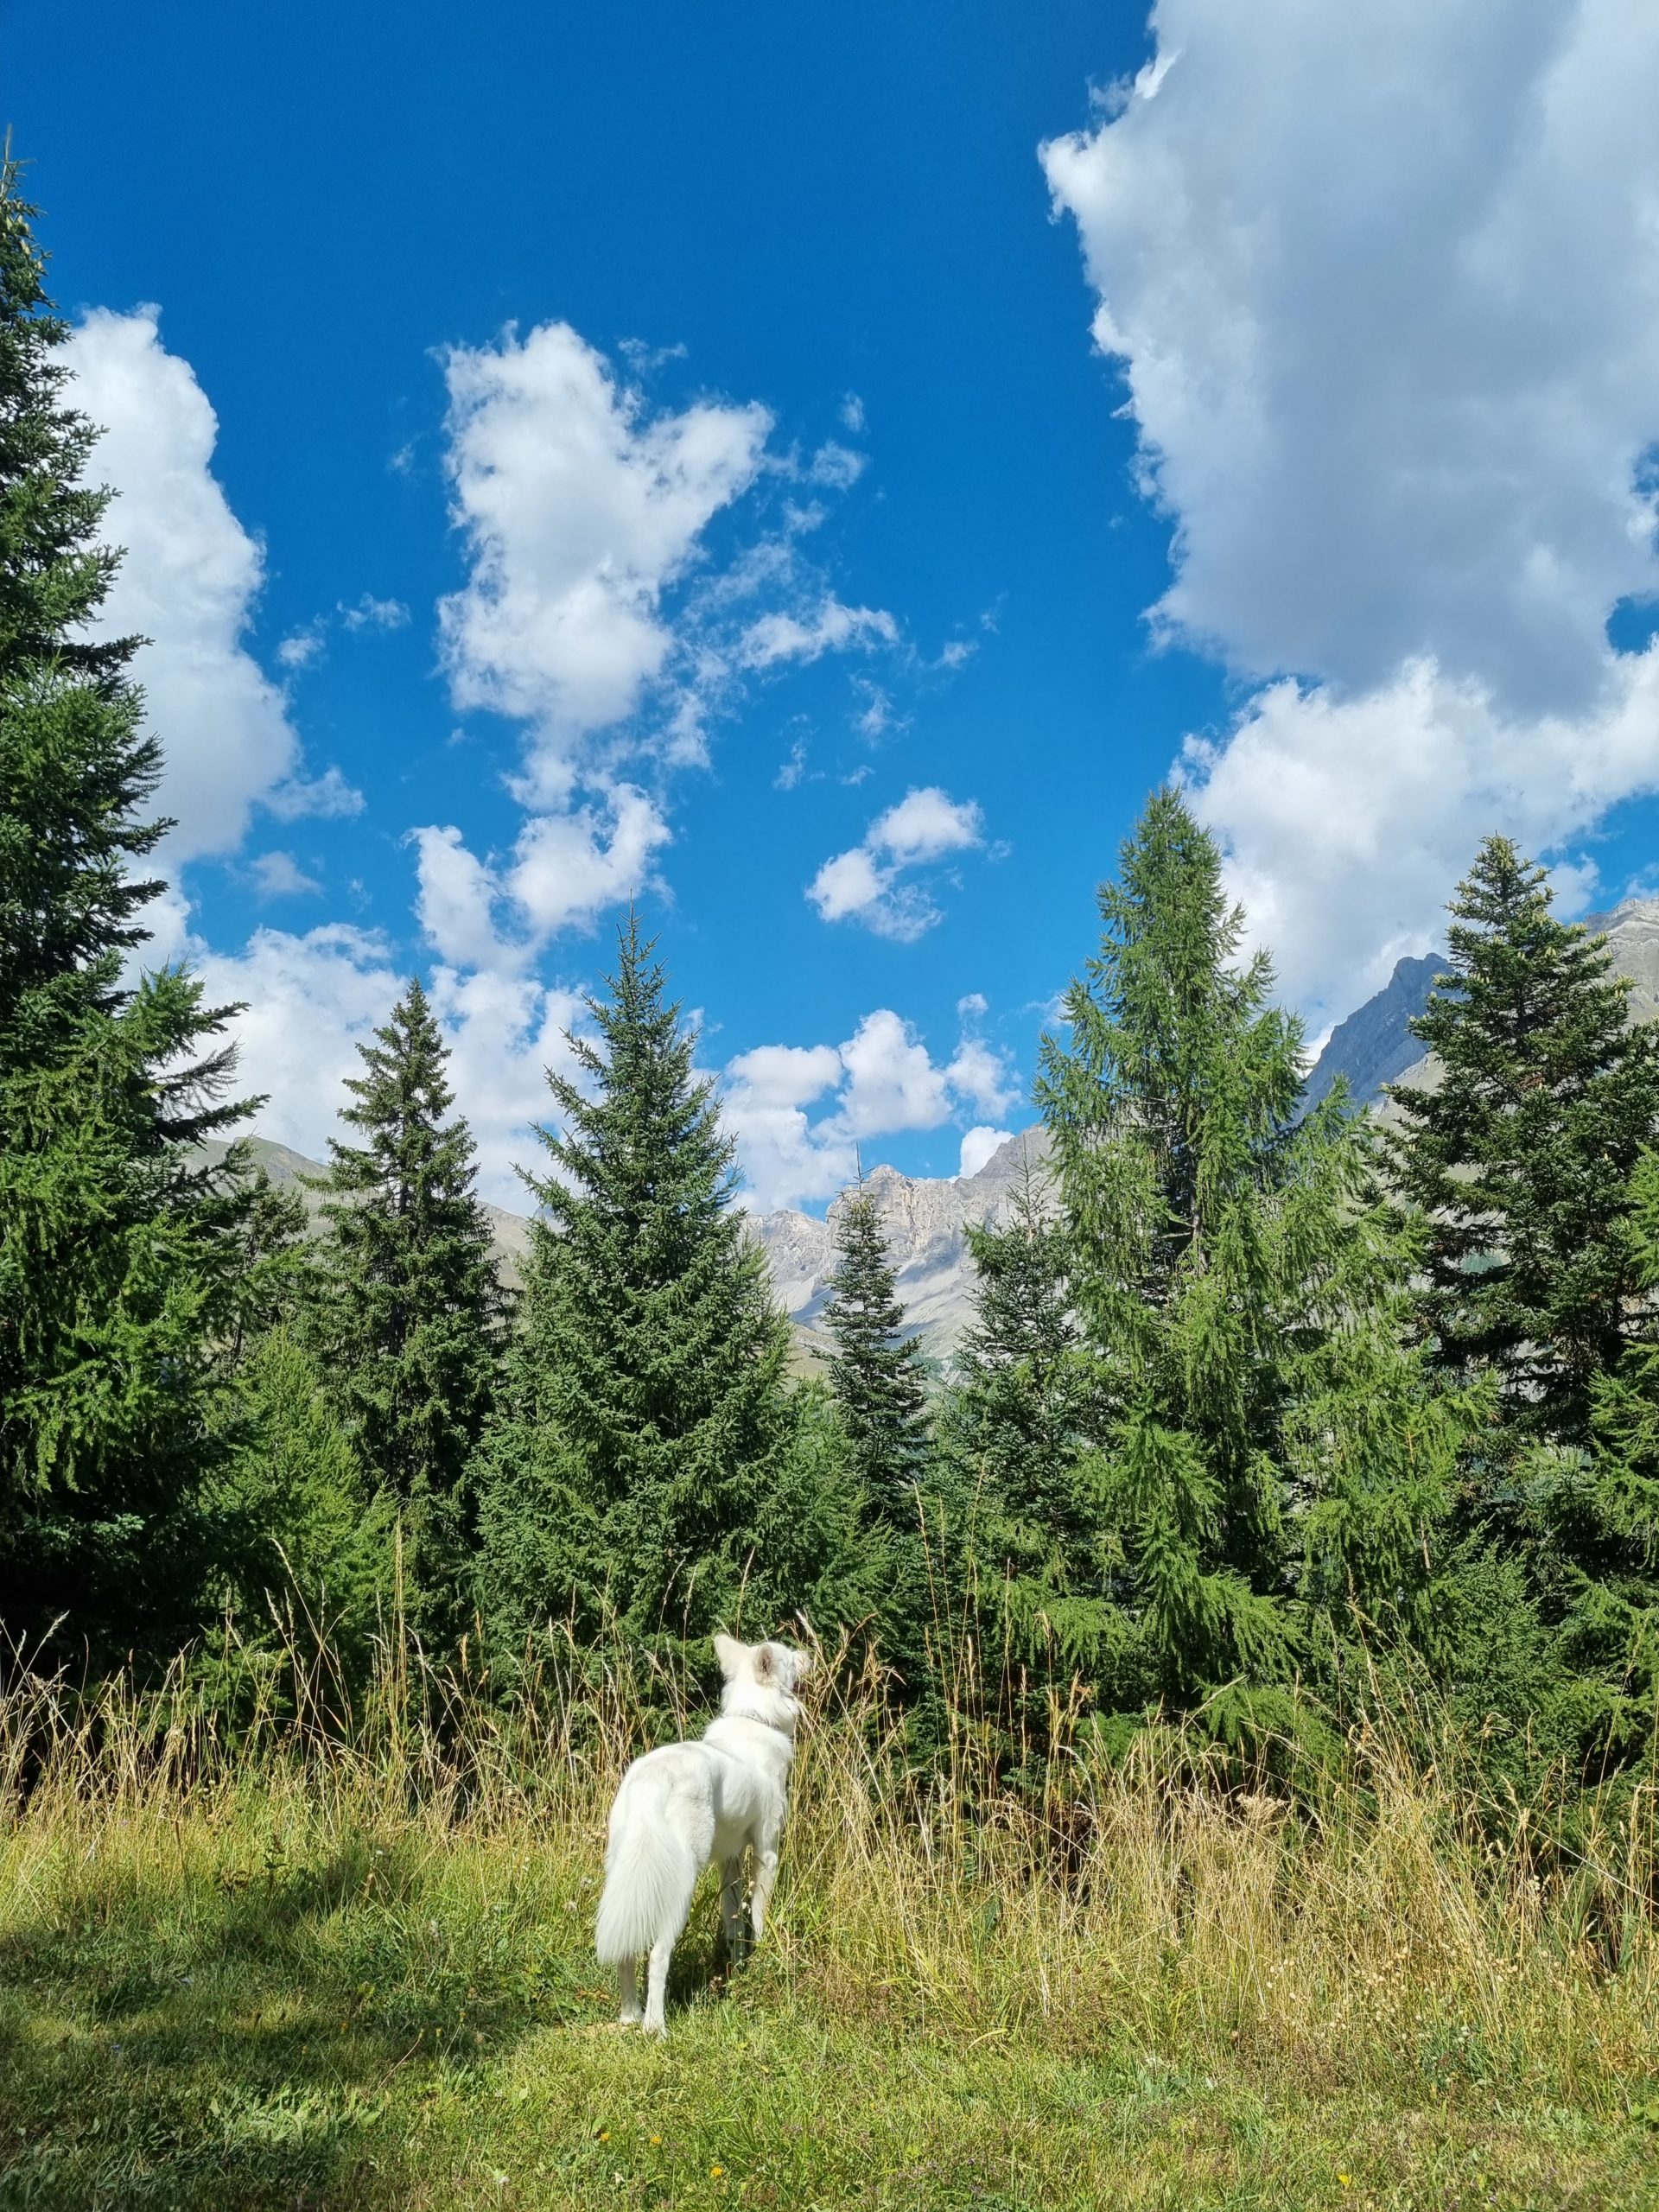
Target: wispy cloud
[[873, 882]]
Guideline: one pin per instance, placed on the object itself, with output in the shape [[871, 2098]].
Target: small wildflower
[[656, 2142], [1347, 2180], [716, 2172], [604, 2134]]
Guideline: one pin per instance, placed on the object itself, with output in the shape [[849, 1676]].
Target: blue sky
[[821, 468]]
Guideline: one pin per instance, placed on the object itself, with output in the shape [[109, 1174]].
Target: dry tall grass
[[1391, 1933]]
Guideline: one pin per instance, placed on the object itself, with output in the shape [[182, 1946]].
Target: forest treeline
[[1266, 1415]]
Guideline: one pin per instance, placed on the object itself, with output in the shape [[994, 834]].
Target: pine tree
[[646, 1427], [409, 1315], [876, 1373], [1232, 1293], [119, 1245], [1516, 1166]]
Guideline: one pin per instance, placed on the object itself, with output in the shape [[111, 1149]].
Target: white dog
[[686, 1804]]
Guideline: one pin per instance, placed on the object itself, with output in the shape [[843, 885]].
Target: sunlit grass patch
[[359, 1974]]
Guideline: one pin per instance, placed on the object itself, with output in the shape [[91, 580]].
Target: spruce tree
[[409, 1315], [119, 1244], [1015, 1424], [1517, 1165], [1605, 1517], [1224, 1272], [645, 1427], [876, 1374], [313, 1575]]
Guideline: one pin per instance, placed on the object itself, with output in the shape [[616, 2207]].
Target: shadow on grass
[[275, 2042], [279, 2038]]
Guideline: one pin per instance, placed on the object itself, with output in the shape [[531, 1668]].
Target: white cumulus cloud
[[567, 868], [564, 870], [1347, 819], [596, 613], [579, 510], [867, 884], [979, 1145], [455, 899], [787, 1158], [190, 582], [1382, 284], [881, 1080], [310, 1000]]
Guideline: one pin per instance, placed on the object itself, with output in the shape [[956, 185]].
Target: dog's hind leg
[[731, 1907], [766, 1873], [628, 1975], [656, 1984]]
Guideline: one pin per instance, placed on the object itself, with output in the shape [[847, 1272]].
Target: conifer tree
[[1606, 1515], [1222, 1265], [119, 1245], [876, 1374], [409, 1315], [314, 1565], [1015, 1426], [1516, 1166], [645, 1428]]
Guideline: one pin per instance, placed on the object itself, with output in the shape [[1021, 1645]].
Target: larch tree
[[1223, 1269]]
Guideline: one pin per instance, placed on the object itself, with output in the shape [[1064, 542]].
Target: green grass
[[368, 1981]]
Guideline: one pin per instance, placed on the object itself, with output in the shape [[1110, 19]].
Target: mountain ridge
[[926, 1218]]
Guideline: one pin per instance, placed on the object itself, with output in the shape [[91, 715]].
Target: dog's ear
[[766, 1663], [729, 1652]]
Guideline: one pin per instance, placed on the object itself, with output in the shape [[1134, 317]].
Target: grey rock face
[[924, 1219], [1374, 1045]]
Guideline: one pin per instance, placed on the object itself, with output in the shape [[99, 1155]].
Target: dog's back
[[662, 1836], [682, 1806]]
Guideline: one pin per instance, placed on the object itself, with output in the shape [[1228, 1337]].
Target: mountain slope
[[926, 1217], [1374, 1045], [510, 1232]]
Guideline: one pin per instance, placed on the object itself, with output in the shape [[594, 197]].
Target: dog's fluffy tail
[[650, 1876]]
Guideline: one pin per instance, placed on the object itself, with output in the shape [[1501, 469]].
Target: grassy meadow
[[350, 1966]]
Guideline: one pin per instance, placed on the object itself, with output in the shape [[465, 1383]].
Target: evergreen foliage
[[315, 1570], [1518, 1176], [119, 1246], [646, 1427], [1603, 1519], [1516, 1165], [1015, 1426], [409, 1316], [876, 1373], [1226, 1282]]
